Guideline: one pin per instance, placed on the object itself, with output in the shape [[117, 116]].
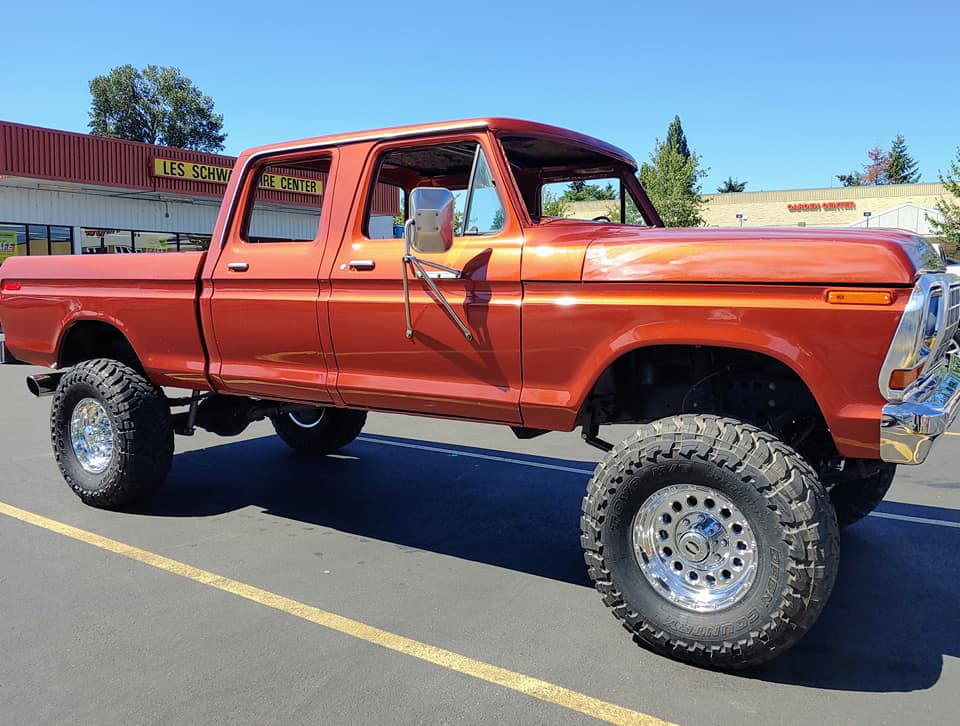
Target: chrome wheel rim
[[307, 419], [91, 435], [695, 547]]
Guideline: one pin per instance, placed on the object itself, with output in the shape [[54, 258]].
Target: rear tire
[[112, 433], [854, 499], [319, 431], [712, 541]]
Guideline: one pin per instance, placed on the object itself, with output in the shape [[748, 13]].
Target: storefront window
[[118, 241], [61, 240], [13, 240], [154, 242], [91, 241], [102, 241], [194, 242], [39, 239], [42, 239]]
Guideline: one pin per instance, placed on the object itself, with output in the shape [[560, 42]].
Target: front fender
[[569, 340]]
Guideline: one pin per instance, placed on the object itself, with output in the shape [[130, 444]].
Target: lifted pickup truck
[[775, 377]]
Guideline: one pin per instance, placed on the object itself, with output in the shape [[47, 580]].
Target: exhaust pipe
[[44, 384]]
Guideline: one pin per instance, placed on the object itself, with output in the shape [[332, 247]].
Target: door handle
[[238, 266], [362, 265]]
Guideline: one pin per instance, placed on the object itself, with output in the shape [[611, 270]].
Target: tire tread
[[797, 497], [141, 420]]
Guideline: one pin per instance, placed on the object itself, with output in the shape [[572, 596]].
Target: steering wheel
[[601, 218]]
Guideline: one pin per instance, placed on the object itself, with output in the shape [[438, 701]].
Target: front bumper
[[909, 427]]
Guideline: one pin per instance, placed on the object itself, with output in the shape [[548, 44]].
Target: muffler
[[44, 384]]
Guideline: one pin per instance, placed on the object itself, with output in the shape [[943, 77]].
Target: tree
[[731, 186], [949, 227], [158, 105], [672, 179], [849, 180], [581, 191], [553, 206], [676, 139], [885, 167], [901, 168], [875, 173]]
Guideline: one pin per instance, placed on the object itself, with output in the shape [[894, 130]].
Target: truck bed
[[150, 298]]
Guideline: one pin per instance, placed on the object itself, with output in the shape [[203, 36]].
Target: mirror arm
[[418, 267], [454, 272]]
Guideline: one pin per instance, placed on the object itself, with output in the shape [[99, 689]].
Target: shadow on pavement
[[891, 619]]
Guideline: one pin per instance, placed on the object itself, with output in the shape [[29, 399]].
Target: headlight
[[918, 338], [931, 323]]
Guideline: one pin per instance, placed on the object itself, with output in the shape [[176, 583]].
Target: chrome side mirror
[[430, 226]]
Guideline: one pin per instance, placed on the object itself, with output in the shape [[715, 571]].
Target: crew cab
[[775, 377]]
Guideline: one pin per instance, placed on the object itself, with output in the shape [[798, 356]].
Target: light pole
[[867, 215]]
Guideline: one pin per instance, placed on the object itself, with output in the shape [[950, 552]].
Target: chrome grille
[[953, 307]]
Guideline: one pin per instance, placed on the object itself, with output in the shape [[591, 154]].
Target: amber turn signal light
[[860, 297], [903, 377]]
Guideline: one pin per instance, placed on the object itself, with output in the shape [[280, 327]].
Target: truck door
[[267, 299], [436, 370]]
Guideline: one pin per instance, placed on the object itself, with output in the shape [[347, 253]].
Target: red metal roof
[[65, 156]]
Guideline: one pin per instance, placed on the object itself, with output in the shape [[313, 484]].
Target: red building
[[69, 193]]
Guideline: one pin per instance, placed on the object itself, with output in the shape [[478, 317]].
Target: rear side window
[[288, 202]]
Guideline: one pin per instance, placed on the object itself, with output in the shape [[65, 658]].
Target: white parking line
[[918, 520], [470, 454], [587, 472]]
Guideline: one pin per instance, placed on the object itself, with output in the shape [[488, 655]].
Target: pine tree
[[902, 168], [731, 186], [676, 139], [849, 180], [672, 181]]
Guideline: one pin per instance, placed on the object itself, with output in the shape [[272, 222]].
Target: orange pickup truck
[[775, 377]]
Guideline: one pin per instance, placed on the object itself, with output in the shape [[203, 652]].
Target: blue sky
[[783, 97]]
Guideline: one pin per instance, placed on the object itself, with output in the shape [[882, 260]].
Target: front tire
[[112, 433], [711, 540], [319, 431]]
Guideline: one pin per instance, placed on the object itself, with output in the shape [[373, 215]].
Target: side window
[[592, 199], [288, 201], [582, 199], [460, 167]]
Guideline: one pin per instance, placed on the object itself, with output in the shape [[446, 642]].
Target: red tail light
[[11, 286]]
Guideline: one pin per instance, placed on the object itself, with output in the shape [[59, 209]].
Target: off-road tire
[[335, 428], [794, 523], [854, 499], [142, 433]]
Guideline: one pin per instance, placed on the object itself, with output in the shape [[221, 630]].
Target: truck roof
[[499, 125]]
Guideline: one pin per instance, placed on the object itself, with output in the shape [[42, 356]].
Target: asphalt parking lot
[[426, 535]]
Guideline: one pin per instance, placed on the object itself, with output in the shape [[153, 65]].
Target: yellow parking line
[[438, 656], [952, 433]]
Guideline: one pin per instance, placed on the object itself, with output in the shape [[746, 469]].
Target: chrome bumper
[[909, 427]]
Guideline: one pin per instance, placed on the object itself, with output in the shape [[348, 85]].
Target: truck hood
[[780, 256]]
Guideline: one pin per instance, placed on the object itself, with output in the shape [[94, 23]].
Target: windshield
[[559, 179]]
